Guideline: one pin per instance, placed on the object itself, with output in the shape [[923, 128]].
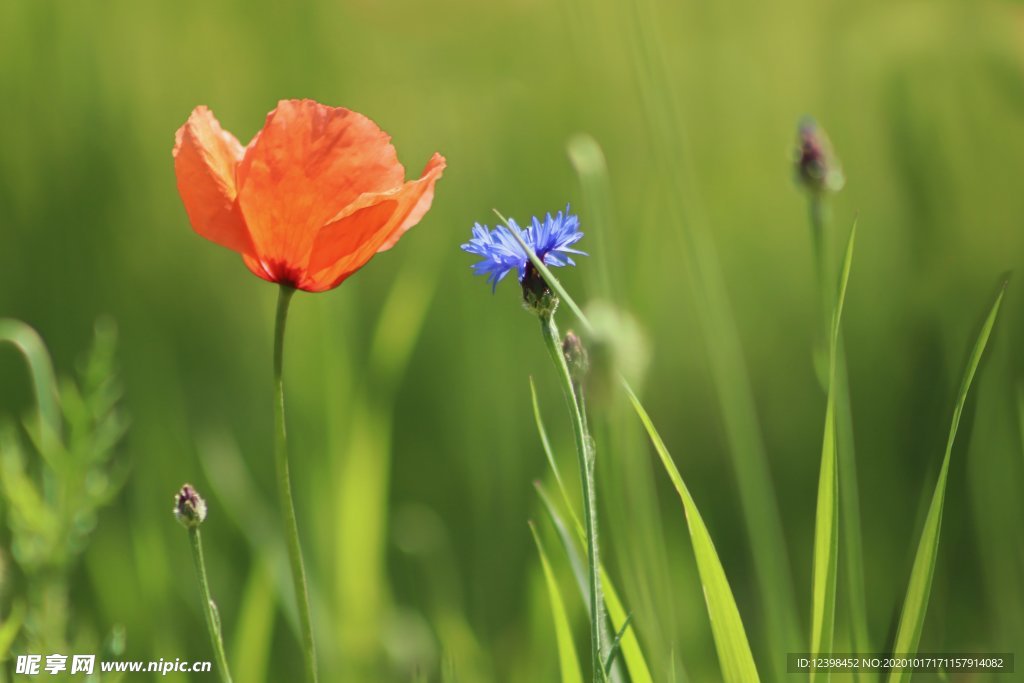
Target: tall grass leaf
[[572, 551], [915, 605], [549, 453], [615, 648], [632, 654], [629, 645], [849, 513], [568, 662], [826, 525], [734, 654]]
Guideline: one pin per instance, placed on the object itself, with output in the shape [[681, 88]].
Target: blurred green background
[[413, 444]]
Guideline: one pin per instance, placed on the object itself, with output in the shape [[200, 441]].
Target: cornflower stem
[[209, 608], [284, 488], [585, 454], [849, 494]]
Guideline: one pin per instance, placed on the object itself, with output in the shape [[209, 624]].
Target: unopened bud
[[189, 507], [617, 346], [575, 356], [817, 167], [537, 296]]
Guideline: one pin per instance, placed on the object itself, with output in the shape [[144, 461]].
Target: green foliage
[[915, 605], [53, 485], [567, 658], [734, 653]]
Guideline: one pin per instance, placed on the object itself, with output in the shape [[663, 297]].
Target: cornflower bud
[[189, 507]]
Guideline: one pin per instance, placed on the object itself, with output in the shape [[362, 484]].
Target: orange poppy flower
[[309, 201]]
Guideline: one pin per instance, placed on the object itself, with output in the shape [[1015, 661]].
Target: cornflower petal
[[551, 239]]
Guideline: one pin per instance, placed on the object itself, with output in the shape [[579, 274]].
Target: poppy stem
[[209, 608], [585, 453], [284, 487]]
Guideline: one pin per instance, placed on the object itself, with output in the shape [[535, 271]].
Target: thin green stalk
[[209, 609], [553, 342], [284, 488], [849, 490]]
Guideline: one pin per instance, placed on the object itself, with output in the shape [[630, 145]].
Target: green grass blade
[[915, 605], [826, 526], [549, 453], [734, 654], [852, 547], [568, 662], [568, 540], [826, 543], [632, 655], [614, 649], [852, 552]]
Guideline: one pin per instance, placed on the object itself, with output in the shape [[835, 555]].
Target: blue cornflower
[[551, 239]]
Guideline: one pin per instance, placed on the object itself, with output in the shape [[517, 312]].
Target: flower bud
[[537, 296], [575, 356], [817, 167], [617, 346], [189, 507]]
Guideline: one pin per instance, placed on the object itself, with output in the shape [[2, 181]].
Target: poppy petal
[[205, 159], [422, 206], [307, 163], [256, 268], [374, 220]]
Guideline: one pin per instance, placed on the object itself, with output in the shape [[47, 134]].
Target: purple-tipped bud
[[189, 507], [817, 167], [575, 357]]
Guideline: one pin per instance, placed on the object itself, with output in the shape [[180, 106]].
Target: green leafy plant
[[56, 472]]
